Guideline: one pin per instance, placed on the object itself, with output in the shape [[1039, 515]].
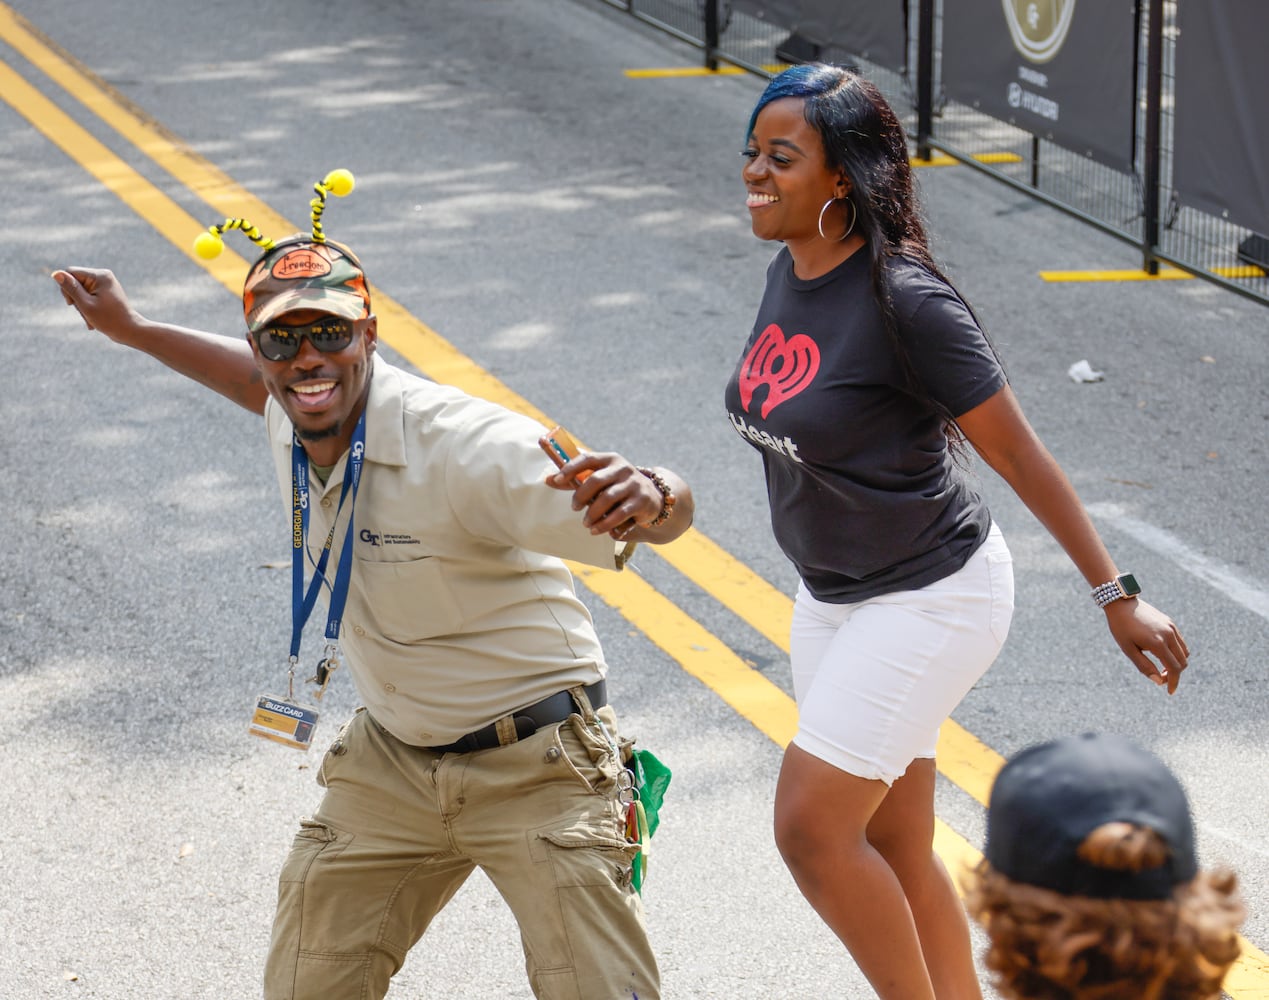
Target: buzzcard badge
[[284, 722]]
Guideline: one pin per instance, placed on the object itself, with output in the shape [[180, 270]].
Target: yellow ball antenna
[[209, 244], [339, 183]]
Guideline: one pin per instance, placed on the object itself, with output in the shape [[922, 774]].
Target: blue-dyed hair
[[864, 139]]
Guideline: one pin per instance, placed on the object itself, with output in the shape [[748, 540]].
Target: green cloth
[[651, 779]]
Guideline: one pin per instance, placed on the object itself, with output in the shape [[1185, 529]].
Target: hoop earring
[[854, 217]]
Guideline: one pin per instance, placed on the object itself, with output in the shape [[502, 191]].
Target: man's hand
[[619, 500], [100, 300], [224, 364]]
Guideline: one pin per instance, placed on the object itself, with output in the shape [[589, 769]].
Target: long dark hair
[[864, 139]]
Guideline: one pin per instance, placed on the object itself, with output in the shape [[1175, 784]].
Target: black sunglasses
[[329, 335]]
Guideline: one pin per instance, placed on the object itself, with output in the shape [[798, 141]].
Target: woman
[[863, 378], [1090, 888]]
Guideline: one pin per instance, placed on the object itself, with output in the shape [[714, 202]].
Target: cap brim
[[336, 301]]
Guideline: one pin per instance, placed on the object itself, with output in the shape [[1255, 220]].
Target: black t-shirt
[[865, 497]]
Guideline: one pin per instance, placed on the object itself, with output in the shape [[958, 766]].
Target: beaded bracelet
[[668, 499]]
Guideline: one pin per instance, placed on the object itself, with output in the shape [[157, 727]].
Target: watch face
[[1128, 583]]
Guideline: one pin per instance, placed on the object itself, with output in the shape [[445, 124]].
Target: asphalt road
[[579, 237]]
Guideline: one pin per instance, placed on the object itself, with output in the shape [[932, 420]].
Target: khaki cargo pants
[[400, 829]]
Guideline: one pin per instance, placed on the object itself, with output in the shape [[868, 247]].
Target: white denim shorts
[[874, 680]]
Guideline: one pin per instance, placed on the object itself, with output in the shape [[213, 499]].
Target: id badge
[[283, 722]]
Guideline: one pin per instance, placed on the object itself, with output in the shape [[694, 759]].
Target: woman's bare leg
[[902, 830], [821, 822]]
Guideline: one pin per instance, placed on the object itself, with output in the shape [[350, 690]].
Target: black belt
[[527, 721]]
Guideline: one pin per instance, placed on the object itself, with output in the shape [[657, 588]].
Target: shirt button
[[390, 688], [359, 630], [325, 501]]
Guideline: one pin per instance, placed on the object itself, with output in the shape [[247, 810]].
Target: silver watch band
[[1124, 585]]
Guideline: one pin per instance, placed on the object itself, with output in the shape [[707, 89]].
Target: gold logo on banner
[[1039, 27]]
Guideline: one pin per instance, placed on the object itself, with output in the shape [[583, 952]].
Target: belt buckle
[[506, 730]]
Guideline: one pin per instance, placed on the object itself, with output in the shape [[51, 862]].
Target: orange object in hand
[[560, 447]]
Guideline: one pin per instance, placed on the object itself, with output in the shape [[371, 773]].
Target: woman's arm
[[220, 363], [1001, 434]]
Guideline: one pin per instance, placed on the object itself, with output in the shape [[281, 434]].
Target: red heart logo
[[785, 367]]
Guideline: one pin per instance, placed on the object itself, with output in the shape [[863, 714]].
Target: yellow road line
[[773, 712], [675, 72], [1139, 274], [672, 72], [1248, 979], [943, 160], [964, 759], [1134, 274], [116, 176], [1240, 271], [698, 651]]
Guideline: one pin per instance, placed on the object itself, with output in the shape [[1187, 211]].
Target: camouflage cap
[[302, 274]]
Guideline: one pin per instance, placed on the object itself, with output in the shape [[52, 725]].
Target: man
[[486, 738]]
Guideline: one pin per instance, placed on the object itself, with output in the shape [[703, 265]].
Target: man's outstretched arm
[[221, 363]]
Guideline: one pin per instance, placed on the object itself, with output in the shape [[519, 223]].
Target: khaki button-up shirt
[[460, 608]]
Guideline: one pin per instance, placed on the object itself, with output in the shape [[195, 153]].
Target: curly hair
[[1047, 946]]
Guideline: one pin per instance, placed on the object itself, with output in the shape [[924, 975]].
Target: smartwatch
[[1124, 585]]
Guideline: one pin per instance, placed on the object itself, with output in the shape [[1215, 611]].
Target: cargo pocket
[[313, 840], [304, 957], [590, 940], [582, 861]]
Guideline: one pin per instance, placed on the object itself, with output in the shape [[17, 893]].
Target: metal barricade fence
[[1139, 208]]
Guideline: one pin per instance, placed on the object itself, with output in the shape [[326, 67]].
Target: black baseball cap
[[1048, 798]]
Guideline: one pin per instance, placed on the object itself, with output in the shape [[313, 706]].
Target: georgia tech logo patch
[[375, 539], [1039, 27], [785, 367]]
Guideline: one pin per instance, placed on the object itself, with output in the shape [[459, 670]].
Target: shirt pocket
[[409, 601]]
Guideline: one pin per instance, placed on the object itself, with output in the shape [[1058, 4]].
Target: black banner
[[1056, 68], [875, 30], [1221, 151]]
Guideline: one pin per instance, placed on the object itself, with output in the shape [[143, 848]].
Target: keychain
[[326, 666]]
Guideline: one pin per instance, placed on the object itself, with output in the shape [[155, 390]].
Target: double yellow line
[[961, 757], [970, 764]]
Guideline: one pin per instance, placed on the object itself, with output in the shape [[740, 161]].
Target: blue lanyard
[[302, 602]]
